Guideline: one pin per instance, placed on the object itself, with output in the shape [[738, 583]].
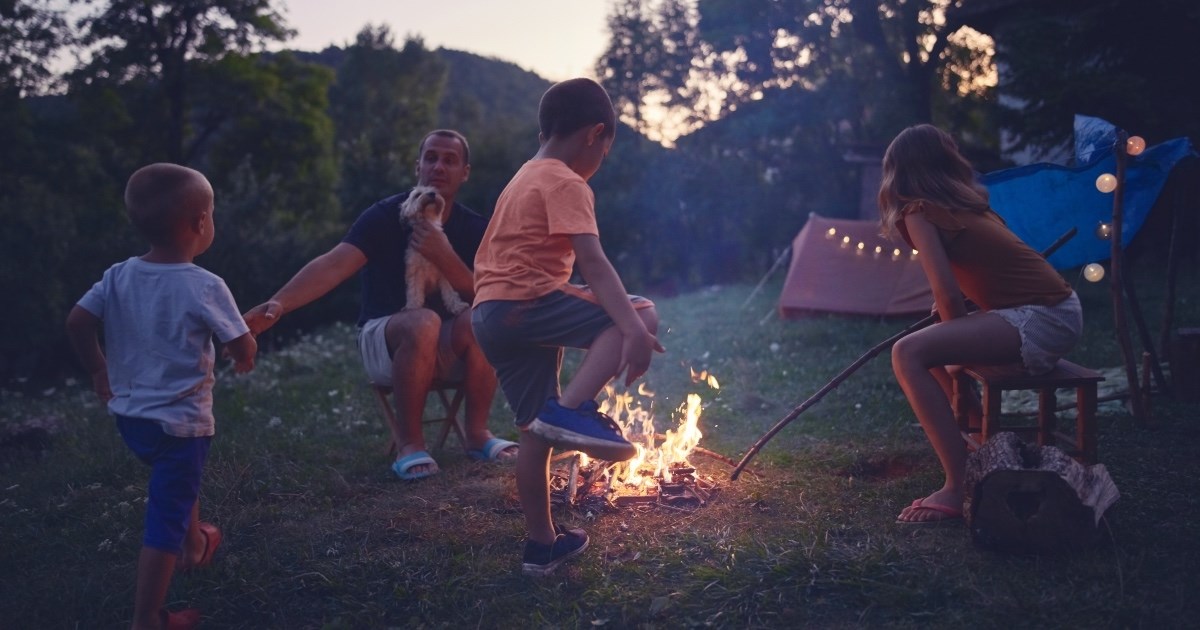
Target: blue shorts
[[524, 341], [176, 465]]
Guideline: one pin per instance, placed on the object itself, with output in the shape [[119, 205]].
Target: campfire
[[660, 474]]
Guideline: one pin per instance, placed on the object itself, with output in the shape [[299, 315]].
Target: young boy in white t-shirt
[[159, 313]]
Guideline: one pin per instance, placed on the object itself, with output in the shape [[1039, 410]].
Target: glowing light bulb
[[1104, 231], [1093, 272], [878, 250], [845, 241], [832, 232], [861, 245], [1135, 145], [1106, 183]]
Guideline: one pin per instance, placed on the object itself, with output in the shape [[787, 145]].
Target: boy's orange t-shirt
[[526, 251]]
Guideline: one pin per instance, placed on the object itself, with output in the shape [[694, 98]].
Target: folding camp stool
[[449, 393], [994, 380]]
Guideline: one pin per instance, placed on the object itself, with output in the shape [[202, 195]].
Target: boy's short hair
[[446, 133], [160, 196], [570, 105]]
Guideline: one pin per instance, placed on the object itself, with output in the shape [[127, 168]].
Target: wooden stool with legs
[[449, 393], [995, 380]]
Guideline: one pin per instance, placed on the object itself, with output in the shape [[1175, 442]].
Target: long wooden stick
[[844, 374]]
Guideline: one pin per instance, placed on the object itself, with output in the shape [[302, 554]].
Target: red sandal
[[185, 619], [212, 540]]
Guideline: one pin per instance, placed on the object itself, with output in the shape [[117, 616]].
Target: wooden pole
[[1117, 285]]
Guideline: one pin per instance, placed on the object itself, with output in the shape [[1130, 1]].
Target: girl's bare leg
[[917, 360]]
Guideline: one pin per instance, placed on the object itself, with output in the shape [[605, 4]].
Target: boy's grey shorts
[[524, 341]]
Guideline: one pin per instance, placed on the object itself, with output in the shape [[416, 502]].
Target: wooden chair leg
[[991, 412], [451, 397], [961, 403], [1085, 422], [385, 406], [451, 405], [1047, 418]]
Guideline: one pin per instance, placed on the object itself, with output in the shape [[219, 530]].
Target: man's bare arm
[[320, 276]]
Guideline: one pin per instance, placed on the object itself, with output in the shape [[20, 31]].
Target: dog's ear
[[407, 207]]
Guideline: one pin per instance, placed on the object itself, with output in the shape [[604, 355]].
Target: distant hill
[[502, 92], [479, 90]]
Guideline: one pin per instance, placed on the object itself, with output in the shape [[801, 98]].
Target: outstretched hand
[[636, 353], [263, 316]]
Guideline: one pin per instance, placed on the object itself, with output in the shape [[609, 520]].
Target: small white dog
[[421, 276]]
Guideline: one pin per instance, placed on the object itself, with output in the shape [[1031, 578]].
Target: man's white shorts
[[372, 345]]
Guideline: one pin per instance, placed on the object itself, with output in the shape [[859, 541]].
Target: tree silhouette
[[154, 42]]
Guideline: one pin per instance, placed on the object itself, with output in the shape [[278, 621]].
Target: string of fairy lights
[[1107, 183], [862, 249]]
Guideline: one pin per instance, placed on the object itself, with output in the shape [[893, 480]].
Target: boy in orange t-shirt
[[526, 311]]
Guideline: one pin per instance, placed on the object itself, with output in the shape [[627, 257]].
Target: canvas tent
[[831, 272]]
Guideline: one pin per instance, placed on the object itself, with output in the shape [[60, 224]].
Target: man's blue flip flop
[[491, 450], [404, 464]]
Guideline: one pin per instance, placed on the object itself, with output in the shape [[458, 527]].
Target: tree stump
[[1025, 498]]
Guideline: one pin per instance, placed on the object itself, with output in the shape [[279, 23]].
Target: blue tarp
[[1041, 202]]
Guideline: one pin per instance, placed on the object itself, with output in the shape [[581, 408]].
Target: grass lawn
[[320, 534]]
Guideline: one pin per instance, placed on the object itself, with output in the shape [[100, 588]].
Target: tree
[[383, 103], [154, 43], [654, 67], [627, 66], [31, 32], [898, 55], [1127, 61]]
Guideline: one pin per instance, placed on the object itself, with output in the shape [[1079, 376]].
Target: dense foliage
[[771, 107]]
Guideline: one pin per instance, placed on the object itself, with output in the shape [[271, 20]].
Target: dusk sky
[[557, 39]]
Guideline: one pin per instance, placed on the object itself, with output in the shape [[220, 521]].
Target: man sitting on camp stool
[[407, 349]]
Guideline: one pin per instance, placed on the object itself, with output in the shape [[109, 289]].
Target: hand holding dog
[[430, 241]]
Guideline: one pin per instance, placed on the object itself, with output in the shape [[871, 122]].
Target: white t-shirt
[[159, 320]]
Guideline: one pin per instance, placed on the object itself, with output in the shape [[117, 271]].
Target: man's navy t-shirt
[[382, 238]]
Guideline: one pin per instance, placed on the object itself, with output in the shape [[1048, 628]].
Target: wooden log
[[1025, 498]]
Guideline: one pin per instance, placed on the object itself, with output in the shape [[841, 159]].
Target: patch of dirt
[[879, 467]]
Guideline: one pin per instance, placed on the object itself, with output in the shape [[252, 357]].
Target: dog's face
[[423, 202]]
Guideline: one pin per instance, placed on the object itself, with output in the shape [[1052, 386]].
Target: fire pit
[[660, 475], [593, 487]]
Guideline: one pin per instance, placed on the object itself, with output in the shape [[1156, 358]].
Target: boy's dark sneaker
[[541, 560], [584, 429]]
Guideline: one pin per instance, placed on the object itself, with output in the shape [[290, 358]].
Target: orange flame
[[637, 422]]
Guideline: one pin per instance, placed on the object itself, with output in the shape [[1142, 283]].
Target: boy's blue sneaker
[[541, 560], [584, 429]]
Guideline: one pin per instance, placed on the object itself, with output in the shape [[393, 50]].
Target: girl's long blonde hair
[[923, 164]]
